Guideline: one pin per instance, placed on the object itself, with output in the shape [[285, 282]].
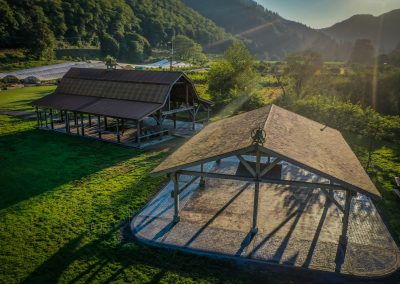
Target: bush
[[345, 116]]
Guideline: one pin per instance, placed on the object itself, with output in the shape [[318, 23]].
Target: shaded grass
[[20, 99]]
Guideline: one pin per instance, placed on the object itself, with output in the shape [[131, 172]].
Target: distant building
[[121, 100]]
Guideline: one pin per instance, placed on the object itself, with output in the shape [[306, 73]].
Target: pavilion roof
[[292, 137]]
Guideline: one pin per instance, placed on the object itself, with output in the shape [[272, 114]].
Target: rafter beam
[[182, 109], [311, 185], [246, 165], [332, 199], [270, 166]]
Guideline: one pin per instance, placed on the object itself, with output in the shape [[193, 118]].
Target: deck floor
[[297, 227]]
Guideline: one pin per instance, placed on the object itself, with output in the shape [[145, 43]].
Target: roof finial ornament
[[258, 135]]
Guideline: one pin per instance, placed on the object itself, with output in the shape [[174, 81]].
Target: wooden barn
[[123, 106]]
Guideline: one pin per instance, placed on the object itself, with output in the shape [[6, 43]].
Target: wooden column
[[67, 127], [90, 120], [37, 116], [99, 126], [202, 180], [175, 179], [82, 125], [105, 123], [174, 118], [76, 123], [61, 116], [254, 228], [138, 130], [45, 119], [345, 224], [51, 119], [194, 120], [118, 134]]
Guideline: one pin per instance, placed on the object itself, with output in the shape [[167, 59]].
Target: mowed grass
[[65, 206], [20, 99], [66, 202]]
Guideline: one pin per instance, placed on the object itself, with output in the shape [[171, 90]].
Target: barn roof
[[298, 140], [130, 94]]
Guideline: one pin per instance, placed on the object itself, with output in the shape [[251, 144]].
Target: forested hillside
[[123, 28], [266, 33], [383, 30]]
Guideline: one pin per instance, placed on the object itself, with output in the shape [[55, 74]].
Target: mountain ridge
[[382, 30]]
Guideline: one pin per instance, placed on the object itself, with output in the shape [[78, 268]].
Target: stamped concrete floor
[[297, 227]]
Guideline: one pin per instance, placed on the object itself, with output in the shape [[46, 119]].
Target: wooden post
[[76, 123], [138, 130], [45, 119], [67, 126], [37, 116], [254, 228], [105, 123], [61, 116], [90, 120], [118, 134], [194, 120], [187, 95], [82, 125], [51, 119], [202, 180], [345, 223], [99, 126], [174, 118], [175, 179]]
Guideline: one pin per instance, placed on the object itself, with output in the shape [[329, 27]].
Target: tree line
[[125, 29]]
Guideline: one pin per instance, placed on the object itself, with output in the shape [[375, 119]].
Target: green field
[[65, 205]]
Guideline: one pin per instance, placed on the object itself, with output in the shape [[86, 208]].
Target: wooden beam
[[345, 224], [246, 165], [185, 186], [332, 199], [181, 109], [254, 228], [310, 185], [270, 166]]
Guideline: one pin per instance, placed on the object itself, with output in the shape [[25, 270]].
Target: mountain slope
[[267, 34], [126, 24], [383, 30]]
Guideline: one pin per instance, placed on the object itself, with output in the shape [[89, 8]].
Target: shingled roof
[[298, 140], [130, 94]]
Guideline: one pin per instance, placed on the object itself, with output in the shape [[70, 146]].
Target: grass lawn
[[65, 205], [19, 99]]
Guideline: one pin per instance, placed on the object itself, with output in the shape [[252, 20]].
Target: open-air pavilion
[[128, 107], [274, 187]]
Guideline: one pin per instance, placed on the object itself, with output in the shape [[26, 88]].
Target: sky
[[325, 13]]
